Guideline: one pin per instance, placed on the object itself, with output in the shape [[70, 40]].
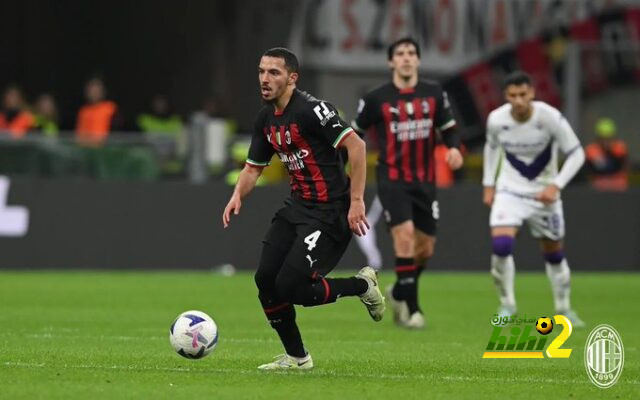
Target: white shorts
[[544, 221]]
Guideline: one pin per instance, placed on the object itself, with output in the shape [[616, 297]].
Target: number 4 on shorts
[[311, 240]]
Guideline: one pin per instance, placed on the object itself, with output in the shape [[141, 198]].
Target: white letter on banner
[[14, 220]]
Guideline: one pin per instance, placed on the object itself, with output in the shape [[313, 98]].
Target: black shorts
[[311, 238], [403, 202]]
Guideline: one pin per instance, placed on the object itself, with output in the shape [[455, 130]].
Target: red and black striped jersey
[[404, 121], [305, 135]]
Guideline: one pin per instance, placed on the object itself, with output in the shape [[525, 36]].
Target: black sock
[[327, 290], [406, 287], [282, 318], [418, 274], [347, 286]]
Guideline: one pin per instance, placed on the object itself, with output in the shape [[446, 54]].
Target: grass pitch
[[104, 335]]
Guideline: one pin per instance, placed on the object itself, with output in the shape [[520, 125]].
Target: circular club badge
[[604, 356]]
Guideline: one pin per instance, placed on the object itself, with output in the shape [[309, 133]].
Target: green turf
[[104, 335]]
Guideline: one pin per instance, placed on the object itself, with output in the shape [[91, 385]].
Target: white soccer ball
[[193, 334]]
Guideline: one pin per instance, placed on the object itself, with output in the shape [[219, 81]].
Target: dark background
[[172, 225], [188, 50]]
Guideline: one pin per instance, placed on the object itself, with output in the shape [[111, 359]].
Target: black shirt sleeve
[[325, 120], [366, 114], [260, 150], [445, 122], [444, 117]]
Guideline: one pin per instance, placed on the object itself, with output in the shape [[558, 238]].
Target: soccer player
[[522, 184], [309, 235], [406, 113]]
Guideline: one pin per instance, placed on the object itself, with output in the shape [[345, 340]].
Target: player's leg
[[302, 279], [424, 250], [559, 275], [425, 245], [368, 243], [280, 313], [398, 214], [503, 267], [425, 216], [558, 272], [404, 288], [316, 251], [548, 225], [507, 214]]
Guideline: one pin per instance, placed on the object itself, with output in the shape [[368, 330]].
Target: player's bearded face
[[405, 61], [520, 98], [274, 78]]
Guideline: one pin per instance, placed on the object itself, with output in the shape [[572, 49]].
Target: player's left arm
[[570, 145], [490, 161], [339, 134], [356, 149], [446, 125], [366, 115]]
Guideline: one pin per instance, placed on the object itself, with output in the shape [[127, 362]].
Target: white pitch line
[[22, 364], [156, 337], [316, 372], [227, 339]]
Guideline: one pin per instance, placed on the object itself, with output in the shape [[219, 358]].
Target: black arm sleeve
[[324, 120], [366, 116], [446, 123], [260, 151]]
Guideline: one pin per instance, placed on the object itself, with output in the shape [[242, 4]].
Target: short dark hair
[[290, 59], [517, 78], [405, 40]]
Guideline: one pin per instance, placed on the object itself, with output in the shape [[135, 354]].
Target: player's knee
[[502, 245], [404, 241], [423, 254], [264, 281], [554, 257]]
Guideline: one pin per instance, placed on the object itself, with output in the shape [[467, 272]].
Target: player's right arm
[[246, 182], [490, 163], [260, 153]]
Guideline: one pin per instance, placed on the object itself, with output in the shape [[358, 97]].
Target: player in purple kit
[[522, 184], [309, 235], [406, 113]]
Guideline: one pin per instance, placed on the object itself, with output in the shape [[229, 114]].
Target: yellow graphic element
[[544, 325], [554, 350], [512, 354]]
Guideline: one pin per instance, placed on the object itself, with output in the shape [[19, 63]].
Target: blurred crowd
[[607, 158], [607, 165], [99, 123], [95, 119]]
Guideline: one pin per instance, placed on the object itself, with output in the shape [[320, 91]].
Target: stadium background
[[584, 56], [125, 206]]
